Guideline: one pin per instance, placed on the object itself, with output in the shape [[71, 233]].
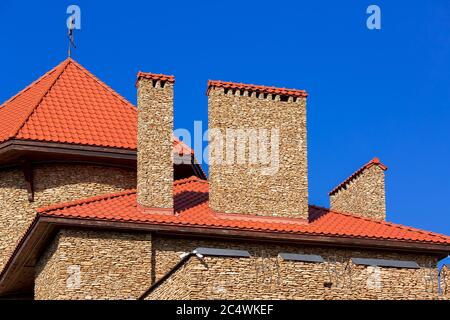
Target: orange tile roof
[[255, 88], [374, 162], [191, 209], [154, 76], [70, 105]]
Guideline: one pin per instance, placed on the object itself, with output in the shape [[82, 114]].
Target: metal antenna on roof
[[73, 22], [71, 27]]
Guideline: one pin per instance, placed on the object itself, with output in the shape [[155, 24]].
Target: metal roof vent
[[221, 252], [301, 257], [386, 263]]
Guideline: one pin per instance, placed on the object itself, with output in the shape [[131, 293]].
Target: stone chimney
[[265, 173], [362, 193], [155, 142]]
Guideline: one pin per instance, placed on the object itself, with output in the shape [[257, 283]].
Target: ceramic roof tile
[[191, 209], [70, 105], [255, 88], [154, 76]]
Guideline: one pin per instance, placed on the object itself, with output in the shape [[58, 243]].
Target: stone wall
[[94, 265], [155, 143], [256, 187], [445, 282], [112, 265], [266, 276], [363, 196], [53, 183]]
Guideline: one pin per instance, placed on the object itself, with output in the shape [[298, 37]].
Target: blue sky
[[372, 93]]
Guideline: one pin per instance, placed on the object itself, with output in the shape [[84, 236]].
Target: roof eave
[[44, 228], [41, 151]]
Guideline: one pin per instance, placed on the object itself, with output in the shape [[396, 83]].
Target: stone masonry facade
[[53, 183], [110, 265], [445, 282], [84, 265], [155, 136], [267, 276], [363, 196], [252, 188]]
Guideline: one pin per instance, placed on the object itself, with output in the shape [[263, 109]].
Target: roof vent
[[222, 252], [386, 263], [301, 257]]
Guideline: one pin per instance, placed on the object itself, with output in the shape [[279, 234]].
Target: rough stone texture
[[155, 143], [94, 265], [445, 282], [243, 187], [53, 183], [269, 277], [363, 196]]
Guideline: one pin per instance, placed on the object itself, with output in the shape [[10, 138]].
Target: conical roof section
[[70, 105]]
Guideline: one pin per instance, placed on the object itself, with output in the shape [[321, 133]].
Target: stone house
[[93, 205]]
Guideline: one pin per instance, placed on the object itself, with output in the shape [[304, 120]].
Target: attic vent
[[386, 263], [301, 257], [284, 98], [222, 252]]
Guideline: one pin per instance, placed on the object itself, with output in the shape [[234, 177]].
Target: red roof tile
[[154, 76], [255, 88], [374, 162], [191, 209], [70, 105]]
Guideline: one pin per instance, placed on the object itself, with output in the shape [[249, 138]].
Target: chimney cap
[[255, 88], [154, 76]]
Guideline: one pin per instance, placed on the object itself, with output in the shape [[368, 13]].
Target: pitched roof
[[374, 162], [191, 209], [255, 88], [69, 104]]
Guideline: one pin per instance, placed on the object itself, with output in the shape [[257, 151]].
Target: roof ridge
[[31, 84], [391, 224], [63, 67], [103, 84], [26, 89], [375, 161], [79, 202]]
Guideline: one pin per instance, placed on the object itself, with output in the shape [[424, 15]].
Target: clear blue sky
[[372, 93]]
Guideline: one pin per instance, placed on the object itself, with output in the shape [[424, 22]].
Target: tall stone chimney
[[265, 173], [155, 142], [362, 193]]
